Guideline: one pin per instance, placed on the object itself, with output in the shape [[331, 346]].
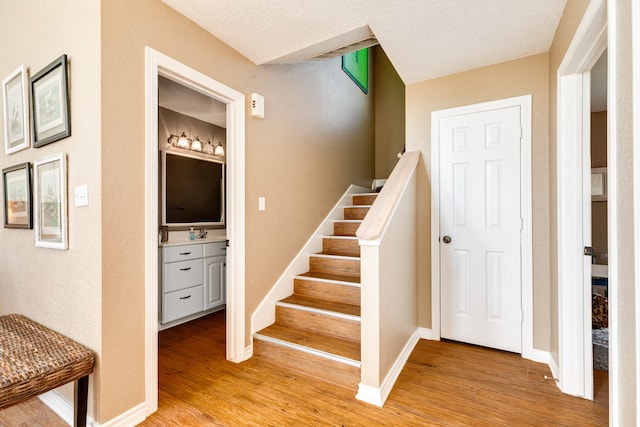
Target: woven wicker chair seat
[[35, 359]]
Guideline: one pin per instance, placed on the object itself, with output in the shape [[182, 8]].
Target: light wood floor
[[443, 384]]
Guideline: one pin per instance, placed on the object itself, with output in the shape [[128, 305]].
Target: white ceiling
[[424, 39]]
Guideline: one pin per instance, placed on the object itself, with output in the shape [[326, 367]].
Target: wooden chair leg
[[80, 391]]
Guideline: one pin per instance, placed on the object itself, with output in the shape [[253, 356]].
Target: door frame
[[156, 64], [526, 254], [575, 364]]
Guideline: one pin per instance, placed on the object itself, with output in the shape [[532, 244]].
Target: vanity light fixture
[[173, 140], [183, 141], [196, 145], [208, 147]]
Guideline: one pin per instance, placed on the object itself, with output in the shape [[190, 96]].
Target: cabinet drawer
[[215, 249], [181, 253], [181, 275], [176, 305]]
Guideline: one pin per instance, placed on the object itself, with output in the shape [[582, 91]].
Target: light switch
[[262, 204], [82, 195]]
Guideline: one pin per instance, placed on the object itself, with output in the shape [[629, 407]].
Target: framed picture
[[50, 103], [50, 189], [356, 65], [15, 98], [17, 196], [598, 184]]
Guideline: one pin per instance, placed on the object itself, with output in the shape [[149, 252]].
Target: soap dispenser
[[192, 234]]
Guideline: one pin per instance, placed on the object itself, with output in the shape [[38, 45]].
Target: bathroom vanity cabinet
[[193, 280]]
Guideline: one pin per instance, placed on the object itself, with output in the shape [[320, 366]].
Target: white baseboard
[[539, 356], [265, 313], [248, 352], [370, 394], [555, 370], [132, 417], [64, 409], [377, 396], [427, 334]]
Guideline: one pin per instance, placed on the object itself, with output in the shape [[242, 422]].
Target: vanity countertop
[[183, 238]]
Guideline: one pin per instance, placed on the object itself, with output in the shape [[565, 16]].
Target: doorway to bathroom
[[160, 66]]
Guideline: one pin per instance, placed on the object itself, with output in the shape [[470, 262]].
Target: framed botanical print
[[16, 182], [50, 103], [50, 195], [15, 99]]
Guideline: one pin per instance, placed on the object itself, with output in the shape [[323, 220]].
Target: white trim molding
[[575, 364], [64, 409], [636, 179], [160, 64], [427, 334], [377, 396], [264, 314], [526, 254]]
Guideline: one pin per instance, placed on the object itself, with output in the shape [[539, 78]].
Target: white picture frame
[[50, 195], [15, 101], [598, 184]]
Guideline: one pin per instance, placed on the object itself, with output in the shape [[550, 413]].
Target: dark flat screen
[[193, 190]]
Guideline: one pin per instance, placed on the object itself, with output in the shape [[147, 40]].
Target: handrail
[[377, 219]]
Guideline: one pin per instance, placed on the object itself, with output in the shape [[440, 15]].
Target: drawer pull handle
[[187, 297], [185, 269], [185, 253]]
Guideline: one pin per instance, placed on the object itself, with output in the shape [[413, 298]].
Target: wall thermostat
[[257, 106]]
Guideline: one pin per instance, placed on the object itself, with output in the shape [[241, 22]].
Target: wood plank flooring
[[443, 384]]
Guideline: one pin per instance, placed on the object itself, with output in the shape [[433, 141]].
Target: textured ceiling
[[424, 39]]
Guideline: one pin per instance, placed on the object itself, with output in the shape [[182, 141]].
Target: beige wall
[[574, 10], [315, 140], [599, 208], [514, 78], [58, 288], [389, 114]]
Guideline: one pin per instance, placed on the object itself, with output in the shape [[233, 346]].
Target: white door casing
[[524, 307], [480, 221], [156, 64], [575, 358]]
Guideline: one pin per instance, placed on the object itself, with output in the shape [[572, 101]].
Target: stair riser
[[346, 247], [327, 291], [308, 364], [335, 266], [317, 322], [364, 199], [355, 212], [345, 228]]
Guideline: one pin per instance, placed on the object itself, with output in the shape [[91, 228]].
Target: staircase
[[317, 329]]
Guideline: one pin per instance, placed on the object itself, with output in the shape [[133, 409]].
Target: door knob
[[446, 239]]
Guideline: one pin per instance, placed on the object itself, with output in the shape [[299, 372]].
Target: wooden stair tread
[[331, 345], [320, 304], [332, 277], [364, 198]]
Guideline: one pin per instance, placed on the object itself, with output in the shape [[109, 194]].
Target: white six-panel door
[[480, 224]]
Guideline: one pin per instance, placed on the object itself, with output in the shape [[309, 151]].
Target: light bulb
[[219, 151], [196, 145], [183, 141]]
